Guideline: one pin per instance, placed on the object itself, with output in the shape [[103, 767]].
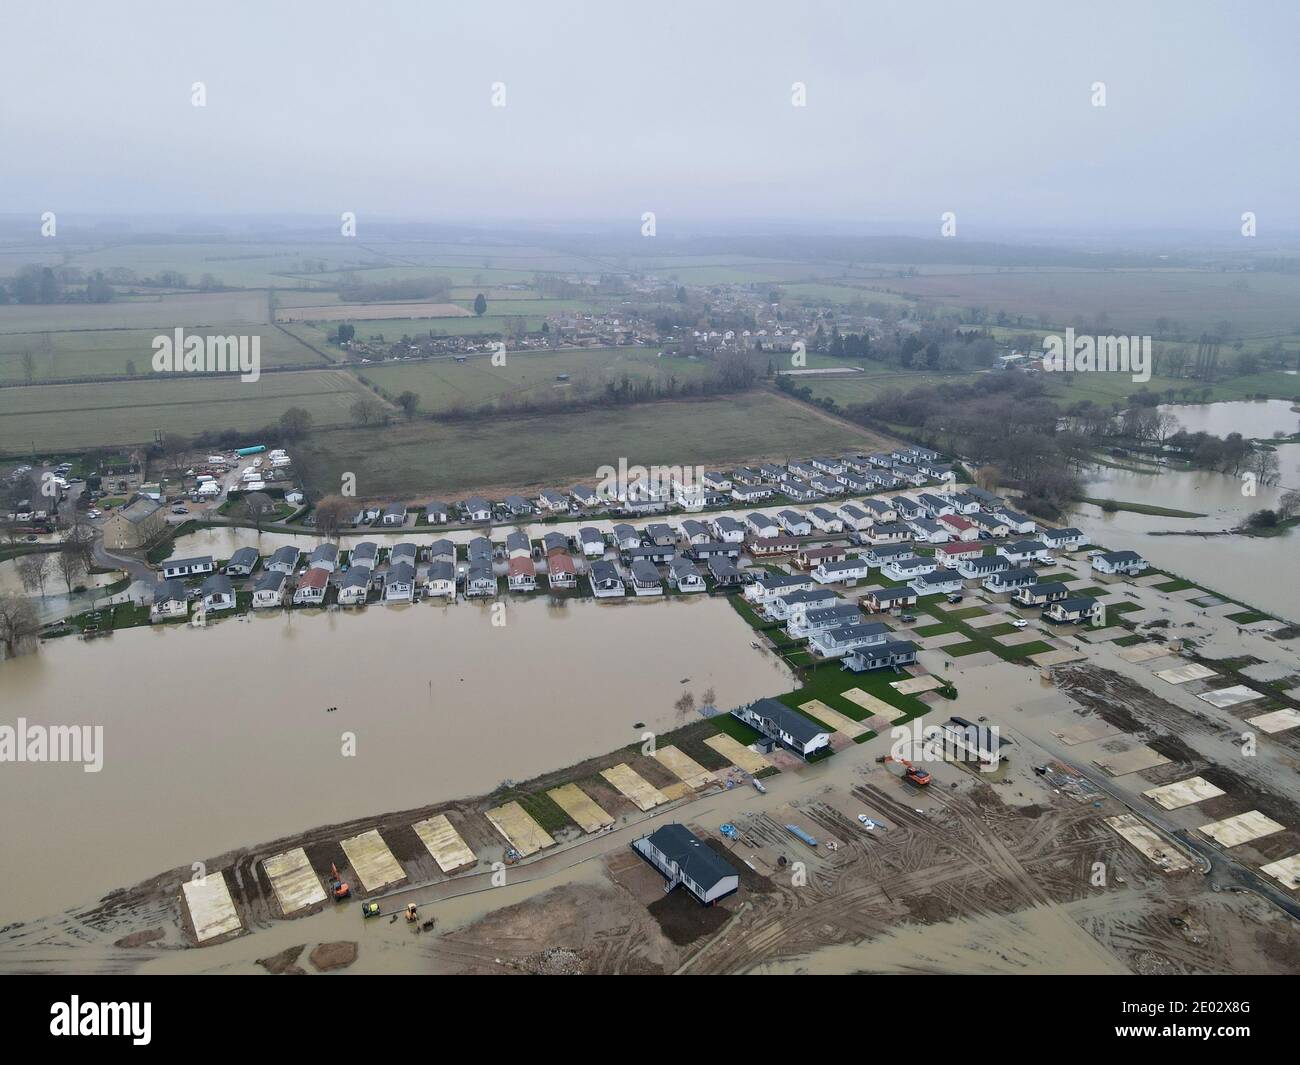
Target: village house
[[964, 503], [724, 572], [169, 601], [312, 587], [760, 546], [399, 582], [1116, 562], [729, 530], [585, 496], [1021, 552], [958, 527], [809, 557], [750, 493], [761, 526], [1075, 610], [522, 574], [1009, 580], [803, 623], [883, 600], [476, 508], [936, 506], [626, 537], [832, 643], [518, 545], [950, 556], [889, 532], [137, 524], [365, 553], [826, 464], [794, 523], [683, 859], [826, 486], [554, 541], [745, 475], [648, 553], [717, 481], [787, 727], [882, 554], [879, 510], [561, 570], [269, 590], [393, 514], [593, 543], [982, 566], [886, 655], [993, 527], [696, 532], [1040, 594], [516, 506], [354, 588], [480, 581], [940, 582], [826, 520], [1063, 539], [325, 556], [553, 502], [849, 571], [242, 562], [661, 534], [437, 512], [442, 551], [788, 604], [769, 585], [705, 551], [285, 560], [218, 593], [854, 483], [605, 581], [800, 469], [853, 517], [907, 509], [404, 552], [928, 531], [188, 567], [645, 578], [480, 550], [685, 576], [1017, 522], [799, 491], [904, 569]]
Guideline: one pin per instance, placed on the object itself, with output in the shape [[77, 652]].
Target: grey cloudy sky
[[681, 108]]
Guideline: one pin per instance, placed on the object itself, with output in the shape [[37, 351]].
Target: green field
[[86, 415], [106, 353], [443, 384], [424, 457], [161, 312]]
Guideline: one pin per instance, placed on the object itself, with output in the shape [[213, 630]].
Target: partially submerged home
[[188, 567], [312, 587], [354, 587], [269, 590], [561, 570], [1040, 594], [325, 556], [285, 560], [170, 600], [645, 579], [784, 725], [522, 574], [242, 562], [218, 593], [604, 579], [480, 581], [399, 582], [593, 543], [440, 580], [685, 576]]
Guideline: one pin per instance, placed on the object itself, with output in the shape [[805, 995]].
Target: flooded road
[[221, 737]]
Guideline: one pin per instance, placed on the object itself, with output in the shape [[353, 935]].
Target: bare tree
[[18, 624], [70, 565], [330, 514], [33, 570]]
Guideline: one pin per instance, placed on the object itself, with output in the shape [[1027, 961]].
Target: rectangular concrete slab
[[519, 829], [1234, 831], [581, 807], [874, 705], [1225, 697], [374, 863], [684, 767], [449, 850], [293, 880], [737, 753], [633, 785], [846, 726], [1133, 761], [1145, 839], [1143, 652], [1182, 674], [1057, 658], [987, 621], [211, 909], [1090, 728], [915, 685], [1275, 720], [1183, 793], [1287, 871]]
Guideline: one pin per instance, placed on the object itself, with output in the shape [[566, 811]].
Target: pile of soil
[[337, 955], [284, 963]]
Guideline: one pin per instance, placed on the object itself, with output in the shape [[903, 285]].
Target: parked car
[[955, 597], [1019, 623]]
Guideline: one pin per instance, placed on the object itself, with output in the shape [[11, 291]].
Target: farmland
[[146, 312], [343, 312], [128, 412], [424, 457]]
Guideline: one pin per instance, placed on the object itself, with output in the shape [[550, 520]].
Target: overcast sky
[[913, 109]]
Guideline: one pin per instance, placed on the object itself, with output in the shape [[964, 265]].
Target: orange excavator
[[912, 774], [338, 886]]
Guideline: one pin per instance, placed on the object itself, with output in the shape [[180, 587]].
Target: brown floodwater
[[221, 737]]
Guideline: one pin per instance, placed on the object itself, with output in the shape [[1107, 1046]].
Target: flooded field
[[221, 737], [1259, 420]]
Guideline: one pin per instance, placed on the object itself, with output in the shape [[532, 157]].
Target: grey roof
[[589, 534], [480, 572], [829, 614], [683, 567], [782, 580], [943, 576], [727, 522], [325, 553], [1059, 534], [807, 595], [1017, 576], [623, 531], [518, 541], [357, 577], [858, 629], [442, 547], [367, 549], [172, 562], [479, 548], [395, 508], [1021, 547], [721, 566], [218, 584], [696, 860], [245, 556], [792, 722], [1078, 602], [644, 572], [403, 551], [887, 595], [169, 590], [602, 571], [1121, 556], [286, 555], [437, 506], [402, 573], [270, 582], [554, 541], [477, 503], [442, 571]]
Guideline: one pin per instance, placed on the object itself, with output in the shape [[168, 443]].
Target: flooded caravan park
[[229, 728]]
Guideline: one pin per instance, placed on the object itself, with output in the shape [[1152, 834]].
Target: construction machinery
[[339, 888], [412, 913], [370, 909], [912, 774]]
